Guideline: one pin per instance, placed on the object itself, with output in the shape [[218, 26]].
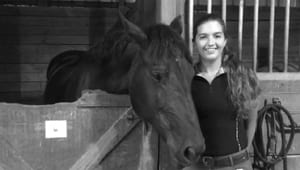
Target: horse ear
[[176, 24], [132, 28]]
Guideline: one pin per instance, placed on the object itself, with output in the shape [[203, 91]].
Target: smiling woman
[[224, 93], [210, 41]]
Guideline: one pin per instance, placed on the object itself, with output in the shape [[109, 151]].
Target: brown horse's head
[[160, 89]]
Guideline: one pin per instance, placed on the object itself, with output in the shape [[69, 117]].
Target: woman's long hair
[[243, 85]]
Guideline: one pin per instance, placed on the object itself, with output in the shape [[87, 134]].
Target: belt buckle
[[208, 161]]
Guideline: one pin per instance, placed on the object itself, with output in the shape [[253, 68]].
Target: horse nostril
[[190, 154]]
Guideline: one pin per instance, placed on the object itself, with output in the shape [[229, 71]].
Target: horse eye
[[159, 72], [157, 76]]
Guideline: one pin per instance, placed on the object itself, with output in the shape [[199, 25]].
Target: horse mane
[[113, 48], [162, 39]]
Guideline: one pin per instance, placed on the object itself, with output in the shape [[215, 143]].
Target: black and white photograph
[[149, 84]]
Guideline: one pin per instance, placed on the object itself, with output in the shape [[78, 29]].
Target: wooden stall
[[99, 131], [288, 93], [32, 35]]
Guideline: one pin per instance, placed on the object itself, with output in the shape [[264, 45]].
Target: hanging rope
[[271, 121]]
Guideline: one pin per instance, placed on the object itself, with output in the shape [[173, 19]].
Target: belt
[[223, 161]]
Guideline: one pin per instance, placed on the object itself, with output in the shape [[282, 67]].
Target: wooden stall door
[[96, 132]]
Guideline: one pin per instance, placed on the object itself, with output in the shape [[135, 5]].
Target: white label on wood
[[55, 129]]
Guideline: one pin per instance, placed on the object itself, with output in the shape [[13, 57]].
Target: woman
[[225, 94]]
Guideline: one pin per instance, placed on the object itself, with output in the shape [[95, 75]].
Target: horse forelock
[[165, 44]]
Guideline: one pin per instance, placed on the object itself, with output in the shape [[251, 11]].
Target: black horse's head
[[154, 67], [160, 88]]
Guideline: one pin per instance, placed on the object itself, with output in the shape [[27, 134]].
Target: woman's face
[[210, 40]]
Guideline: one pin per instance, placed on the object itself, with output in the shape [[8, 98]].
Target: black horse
[[154, 67]]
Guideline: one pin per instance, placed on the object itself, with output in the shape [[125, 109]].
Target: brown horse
[[154, 67]]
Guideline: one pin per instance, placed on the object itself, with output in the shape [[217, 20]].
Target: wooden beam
[[96, 153], [43, 2], [167, 10], [279, 76], [146, 15]]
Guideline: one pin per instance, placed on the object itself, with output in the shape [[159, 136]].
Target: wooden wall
[[31, 36], [288, 92]]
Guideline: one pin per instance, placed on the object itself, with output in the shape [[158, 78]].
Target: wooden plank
[[21, 21], [289, 100], [22, 68], [45, 30], [288, 93], [22, 97], [38, 54], [133, 153], [23, 77], [57, 11], [24, 86], [289, 77], [107, 142], [280, 86], [49, 40], [95, 27]]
